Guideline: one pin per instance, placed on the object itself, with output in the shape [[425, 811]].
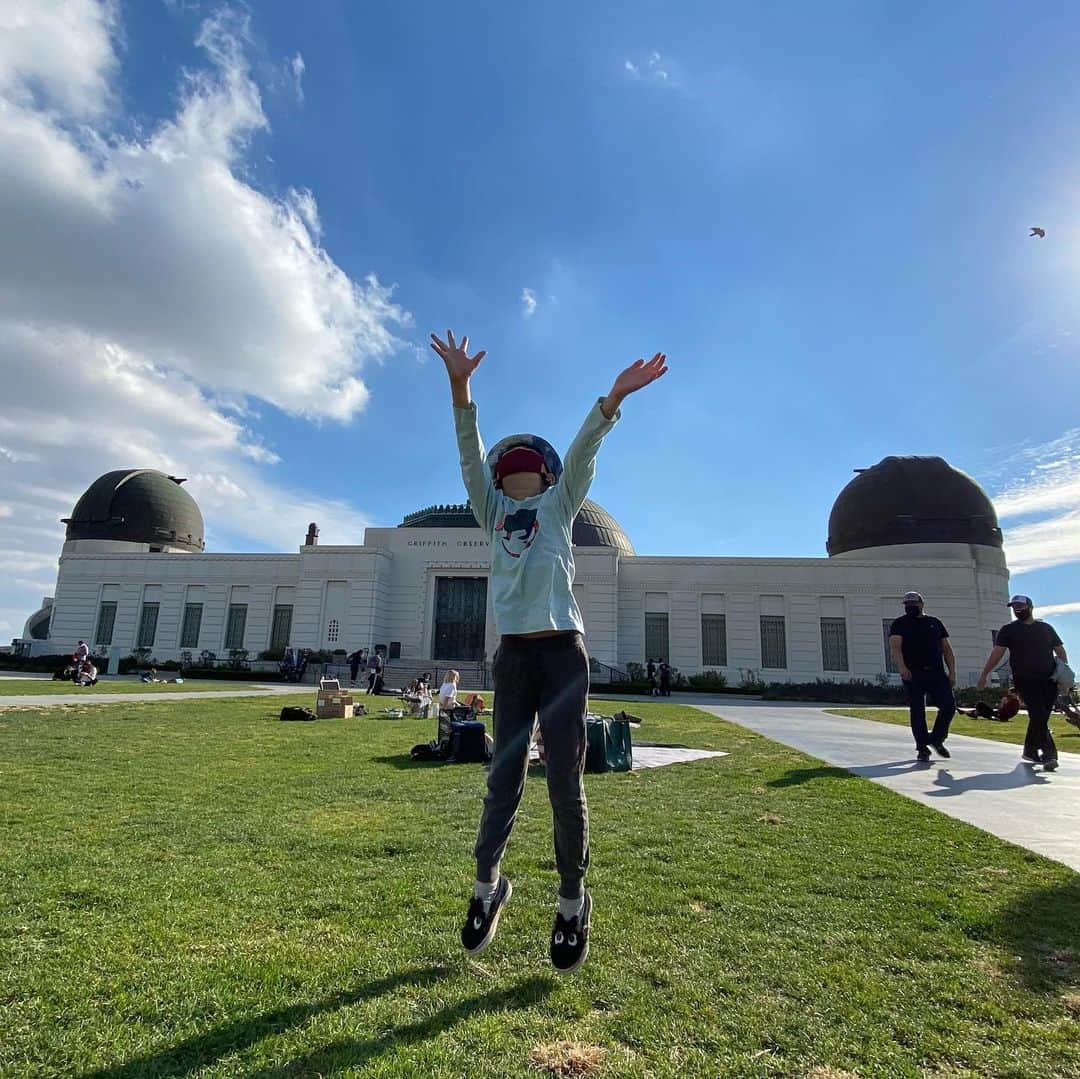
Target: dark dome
[[911, 500], [593, 526], [137, 506]]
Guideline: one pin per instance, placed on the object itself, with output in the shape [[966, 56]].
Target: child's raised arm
[[579, 467], [474, 469]]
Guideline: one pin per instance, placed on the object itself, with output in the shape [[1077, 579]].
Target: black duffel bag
[[292, 713]]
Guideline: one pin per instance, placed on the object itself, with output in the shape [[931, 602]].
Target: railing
[[398, 674], [603, 673]]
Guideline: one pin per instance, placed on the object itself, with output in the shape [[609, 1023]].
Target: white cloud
[[1043, 499], [57, 53], [1058, 608], [296, 71], [528, 302], [651, 69], [150, 296]]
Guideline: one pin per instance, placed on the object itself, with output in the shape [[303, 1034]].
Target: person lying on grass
[[526, 502]]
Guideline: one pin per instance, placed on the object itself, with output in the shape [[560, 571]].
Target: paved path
[[984, 783], [95, 696]]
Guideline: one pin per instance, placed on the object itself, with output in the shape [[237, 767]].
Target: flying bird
[[1036, 231]]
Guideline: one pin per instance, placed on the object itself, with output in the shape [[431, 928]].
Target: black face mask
[[912, 608]]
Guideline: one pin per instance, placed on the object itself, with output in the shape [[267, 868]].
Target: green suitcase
[[608, 747]]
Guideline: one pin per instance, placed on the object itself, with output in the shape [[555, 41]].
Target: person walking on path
[[665, 678], [356, 661], [526, 501], [375, 670], [918, 644], [1032, 646], [650, 670]]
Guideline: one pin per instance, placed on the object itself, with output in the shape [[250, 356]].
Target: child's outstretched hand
[[638, 375], [459, 364]]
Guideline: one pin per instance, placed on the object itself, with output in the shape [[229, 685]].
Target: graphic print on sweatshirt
[[517, 531]]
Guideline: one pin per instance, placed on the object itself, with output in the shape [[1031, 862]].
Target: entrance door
[[460, 618]]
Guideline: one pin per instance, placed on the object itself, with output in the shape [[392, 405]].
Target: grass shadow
[[405, 761], [1039, 928], [203, 1050], [356, 1052], [808, 775]]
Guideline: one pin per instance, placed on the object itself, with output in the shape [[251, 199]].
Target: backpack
[[467, 742], [607, 745], [429, 751], [292, 713]]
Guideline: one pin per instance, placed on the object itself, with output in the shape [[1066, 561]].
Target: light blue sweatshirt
[[532, 561]]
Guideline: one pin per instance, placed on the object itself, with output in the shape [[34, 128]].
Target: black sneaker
[[570, 939], [1031, 758], [940, 750], [479, 928], [924, 753], [1050, 764]]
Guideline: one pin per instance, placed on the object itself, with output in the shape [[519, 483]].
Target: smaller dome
[[138, 506], [911, 500]]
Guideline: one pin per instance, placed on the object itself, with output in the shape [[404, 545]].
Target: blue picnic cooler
[[607, 745]]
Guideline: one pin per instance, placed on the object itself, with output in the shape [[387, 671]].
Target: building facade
[[134, 574]]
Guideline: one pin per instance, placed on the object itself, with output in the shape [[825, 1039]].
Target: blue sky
[[820, 212]]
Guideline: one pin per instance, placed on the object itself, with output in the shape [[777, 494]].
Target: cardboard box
[[332, 702]]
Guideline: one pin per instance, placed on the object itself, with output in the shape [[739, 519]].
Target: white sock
[[571, 908], [485, 891]]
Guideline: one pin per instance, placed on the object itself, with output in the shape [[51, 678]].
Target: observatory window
[[105, 623], [147, 625], [235, 626], [333, 630], [281, 628], [773, 642], [886, 625], [656, 635], [189, 630], [713, 640], [834, 655]]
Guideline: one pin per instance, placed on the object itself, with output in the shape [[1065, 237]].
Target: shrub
[[859, 691], [707, 680], [751, 681], [635, 672], [275, 655]]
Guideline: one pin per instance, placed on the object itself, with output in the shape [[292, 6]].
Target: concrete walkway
[[984, 783], [95, 696]]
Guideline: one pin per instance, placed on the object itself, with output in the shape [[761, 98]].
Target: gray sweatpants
[[549, 676]]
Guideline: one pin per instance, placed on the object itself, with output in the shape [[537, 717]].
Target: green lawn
[[210, 892], [1065, 735], [43, 687]]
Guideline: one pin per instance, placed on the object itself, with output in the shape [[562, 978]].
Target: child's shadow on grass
[[203, 1050], [352, 1052]]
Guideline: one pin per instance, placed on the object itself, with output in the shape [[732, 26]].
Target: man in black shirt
[[1032, 646], [919, 644]]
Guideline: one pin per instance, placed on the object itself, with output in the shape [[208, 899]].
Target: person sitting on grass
[[1007, 707], [526, 502], [88, 674]]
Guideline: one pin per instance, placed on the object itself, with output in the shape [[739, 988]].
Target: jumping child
[[526, 502]]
